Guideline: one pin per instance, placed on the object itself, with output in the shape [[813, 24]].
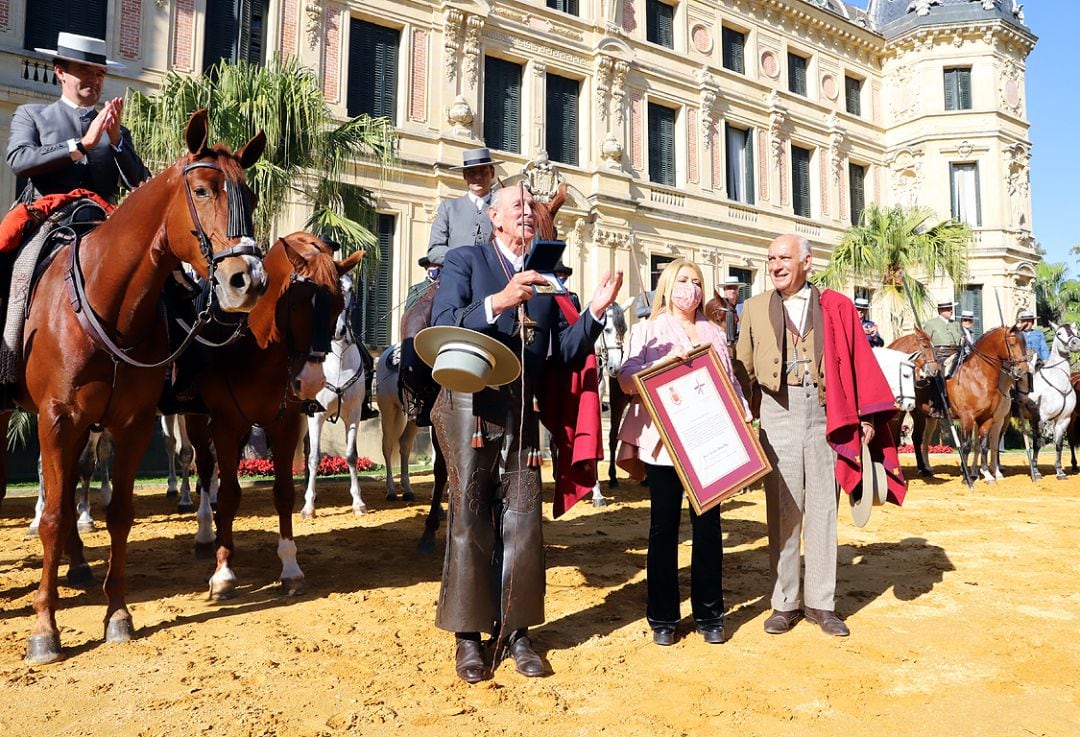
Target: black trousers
[[706, 557]]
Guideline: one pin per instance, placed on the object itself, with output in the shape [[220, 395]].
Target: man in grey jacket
[[70, 144], [464, 221]]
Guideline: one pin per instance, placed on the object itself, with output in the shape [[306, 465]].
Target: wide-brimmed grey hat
[[464, 360], [862, 303], [732, 281], [967, 315], [1025, 315], [83, 49], [476, 157], [946, 304], [873, 492]]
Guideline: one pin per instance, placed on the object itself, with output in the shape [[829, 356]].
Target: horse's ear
[[298, 250], [348, 264], [558, 200], [250, 152], [1053, 326], [196, 132]]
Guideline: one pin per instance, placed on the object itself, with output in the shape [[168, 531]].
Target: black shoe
[[526, 661], [664, 636], [712, 634], [469, 661], [367, 412]]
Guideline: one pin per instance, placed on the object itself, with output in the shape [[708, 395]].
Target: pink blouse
[[650, 341]]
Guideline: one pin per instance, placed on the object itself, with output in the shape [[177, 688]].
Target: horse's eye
[[202, 192]]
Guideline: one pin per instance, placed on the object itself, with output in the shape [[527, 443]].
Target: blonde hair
[[666, 283]]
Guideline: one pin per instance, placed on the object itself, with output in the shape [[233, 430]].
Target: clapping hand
[[114, 108], [606, 293]]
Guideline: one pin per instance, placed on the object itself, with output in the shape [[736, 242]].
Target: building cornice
[[989, 31]]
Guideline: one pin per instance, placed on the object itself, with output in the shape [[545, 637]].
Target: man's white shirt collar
[[75, 106], [517, 261], [480, 202]]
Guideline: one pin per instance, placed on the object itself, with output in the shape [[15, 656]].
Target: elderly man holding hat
[[493, 576], [70, 144], [862, 306], [464, 221]]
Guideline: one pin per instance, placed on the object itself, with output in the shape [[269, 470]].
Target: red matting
[[661, 378]]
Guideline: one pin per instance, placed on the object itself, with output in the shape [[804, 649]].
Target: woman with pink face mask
[[676, 326]]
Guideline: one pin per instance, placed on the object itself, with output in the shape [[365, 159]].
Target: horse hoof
[[1037, 476], [409, 496], [426, 546], [221, 591], [172, 494], [42, 649], [613, 484], [1062, 476], [359, 511], [391, 496], [85, 526], [925, 473], [204, 551], [601, 502], [80, 576], [306, 513], [185, 508], [31, 532], [119, 631], [292, 586]]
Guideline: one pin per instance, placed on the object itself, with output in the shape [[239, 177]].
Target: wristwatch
[[80, 147]]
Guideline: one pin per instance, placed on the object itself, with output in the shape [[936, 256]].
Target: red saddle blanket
[[22, 219]]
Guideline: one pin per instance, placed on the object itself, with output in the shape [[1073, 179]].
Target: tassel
[[478, 434], [535, 459]]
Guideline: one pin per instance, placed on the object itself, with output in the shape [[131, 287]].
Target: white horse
[[610, 355], [343, 398], [899, 370], [397, 428], [179, 450], [1054, 396]]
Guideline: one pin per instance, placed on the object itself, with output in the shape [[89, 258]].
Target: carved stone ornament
[[907, 177], [618, 91], [543, 178], [770, 65], [922, 7], [1018, 182], [473, 26], [611, 151], [313, 10], [604, 70], [1010, 87], [837, 137], [460, 115], [828, 87], [701, 37], [161, 4], [451, 41]]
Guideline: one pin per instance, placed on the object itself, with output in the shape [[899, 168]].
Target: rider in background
[[946, 335], [1033, 337], [862, 306], [70, 144]]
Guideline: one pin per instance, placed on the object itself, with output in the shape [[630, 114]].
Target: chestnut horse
[[103, 367], [268, 377], [979, 394]]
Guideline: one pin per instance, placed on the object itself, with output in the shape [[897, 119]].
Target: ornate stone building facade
[[700, 128]]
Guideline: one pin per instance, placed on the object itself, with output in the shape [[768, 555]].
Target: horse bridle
[[1006, 365], [925, 346], [240, 225], [348, 335]]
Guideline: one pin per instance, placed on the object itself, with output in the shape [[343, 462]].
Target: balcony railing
[[745, 214], [671, 199], [38, 73]]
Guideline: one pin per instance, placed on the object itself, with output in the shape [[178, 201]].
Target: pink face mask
[[685, 295]]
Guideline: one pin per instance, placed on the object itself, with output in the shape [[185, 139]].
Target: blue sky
[[1053, 107]]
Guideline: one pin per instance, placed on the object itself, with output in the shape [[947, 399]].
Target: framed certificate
[[700, 419]]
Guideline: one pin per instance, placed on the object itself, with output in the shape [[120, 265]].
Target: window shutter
[[567, 6], [734, 47], [562, 119], [796, 74], [746, 277], [954, 191], [856, 190], [950, 88], [373, 64], [853, 95], [963, 88], [377, 288], [46, 18], [502, 104], [661, 145], [800, 181], [971, 299], [660, 23], [748, 136], [220, 33]]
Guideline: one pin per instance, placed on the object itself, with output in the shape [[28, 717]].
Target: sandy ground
[[963, 609]]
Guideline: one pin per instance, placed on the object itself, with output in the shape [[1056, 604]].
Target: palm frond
[[19, 428]]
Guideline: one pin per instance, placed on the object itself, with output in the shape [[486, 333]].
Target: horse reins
[[1005, 365]]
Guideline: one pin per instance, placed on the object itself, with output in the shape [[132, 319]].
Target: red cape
[[570, 410], [855, 390], [21, 218]]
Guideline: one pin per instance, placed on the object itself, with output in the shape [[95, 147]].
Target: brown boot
[[781, 622], [827, 620], [469, 661]]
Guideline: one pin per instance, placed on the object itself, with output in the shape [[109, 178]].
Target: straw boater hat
[[464, 360], [862, 303], [1025, 315], [732, 281], [476, 157], [967, 315], [83, 49], [946, 304]]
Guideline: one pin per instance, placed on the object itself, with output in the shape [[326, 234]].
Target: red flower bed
[[328, 466], [909, 448]]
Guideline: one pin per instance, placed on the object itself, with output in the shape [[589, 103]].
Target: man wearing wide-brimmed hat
[[945, 335], [1036, 341], [870, 328], [70, 144], [731, 307], [464, 221]]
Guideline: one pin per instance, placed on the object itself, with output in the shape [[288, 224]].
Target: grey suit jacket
[[457, 223], [38, 150]]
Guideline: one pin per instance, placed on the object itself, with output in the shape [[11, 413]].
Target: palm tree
[[307, 154], [890, 246], [1057, 298]]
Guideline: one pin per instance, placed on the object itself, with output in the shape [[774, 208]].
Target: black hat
[[425, 262], [561, 268]]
